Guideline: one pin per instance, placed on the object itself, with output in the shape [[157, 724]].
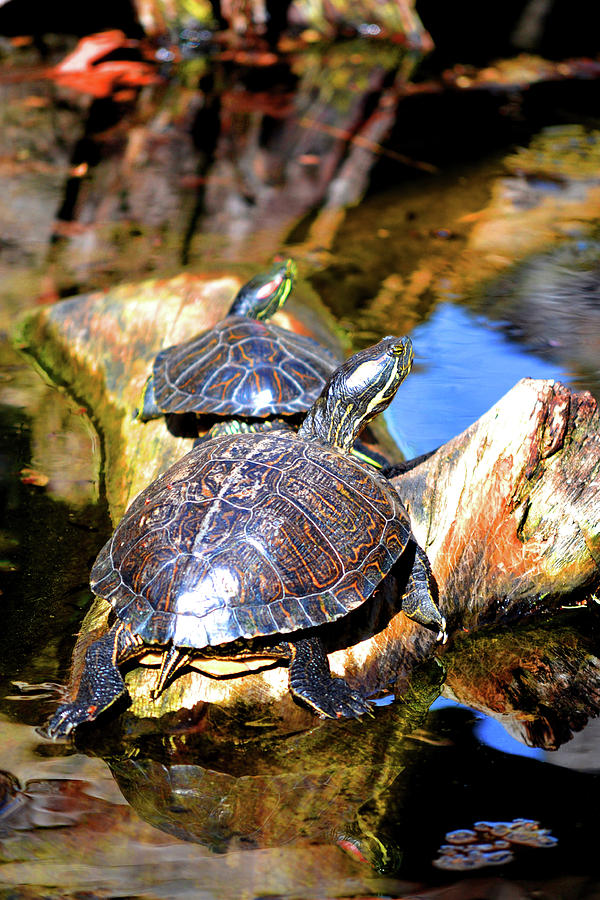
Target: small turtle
[[244, 369], [250, 543]]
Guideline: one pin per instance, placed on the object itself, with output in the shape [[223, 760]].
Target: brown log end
[[509, 511]]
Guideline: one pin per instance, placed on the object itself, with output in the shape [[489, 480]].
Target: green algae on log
[[541, 681], [101, 346]]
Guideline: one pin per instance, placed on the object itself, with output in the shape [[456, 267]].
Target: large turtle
[[251, 542], [245, 368]]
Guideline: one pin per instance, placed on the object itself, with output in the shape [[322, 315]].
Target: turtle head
[[358, 391], [367, 382], [263, 295]]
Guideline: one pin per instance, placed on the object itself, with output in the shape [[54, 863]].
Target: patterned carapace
[[242, 367], [251, 535]]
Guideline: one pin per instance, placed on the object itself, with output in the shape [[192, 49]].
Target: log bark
[[508, 512], [541, 681]]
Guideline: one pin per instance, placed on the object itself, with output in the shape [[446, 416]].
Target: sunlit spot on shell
[[209, 593], [190, 632], [258, 545], [263, 397]]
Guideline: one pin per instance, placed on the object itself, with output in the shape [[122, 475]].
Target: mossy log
[[508, 511], [541, 681]]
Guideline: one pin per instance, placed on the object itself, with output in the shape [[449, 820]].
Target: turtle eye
[[399, 348]]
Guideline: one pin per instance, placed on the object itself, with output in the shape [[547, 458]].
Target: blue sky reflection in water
[[490, 732], [487, 730], [462, 367]]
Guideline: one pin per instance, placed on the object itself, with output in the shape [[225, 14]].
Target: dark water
[[352, 809]]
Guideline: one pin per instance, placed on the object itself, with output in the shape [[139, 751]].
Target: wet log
[[541, 681], [352, 782], [508, 512]]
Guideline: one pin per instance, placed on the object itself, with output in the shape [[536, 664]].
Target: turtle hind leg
[[418, 601], [312, 683], [101, 682]]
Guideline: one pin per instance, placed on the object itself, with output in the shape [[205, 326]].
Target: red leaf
[[83, 70]]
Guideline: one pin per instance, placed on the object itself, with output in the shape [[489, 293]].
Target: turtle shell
[[242, 367], [251, 535]]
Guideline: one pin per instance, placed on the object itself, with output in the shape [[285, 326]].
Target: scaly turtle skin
[[256, 540], [244, 367]]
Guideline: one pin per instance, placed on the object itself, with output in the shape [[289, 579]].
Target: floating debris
[[490, 843]]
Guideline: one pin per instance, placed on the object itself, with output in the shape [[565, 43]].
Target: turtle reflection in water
[[250, 542], [245, 371]]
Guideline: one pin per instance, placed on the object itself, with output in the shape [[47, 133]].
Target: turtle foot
[[66, 718], [343, 702], [312, 683], [337, 701]]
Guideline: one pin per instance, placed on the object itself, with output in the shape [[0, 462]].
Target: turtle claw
[[442, 633], [342, 702], [66, 718]]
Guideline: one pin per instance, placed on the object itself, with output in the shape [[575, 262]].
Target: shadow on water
[[54, 523]]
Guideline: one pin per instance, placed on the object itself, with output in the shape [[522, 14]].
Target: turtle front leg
[[418, 601], [312, 683], [149, 408], [101, 682]]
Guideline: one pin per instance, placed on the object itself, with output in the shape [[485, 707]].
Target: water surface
[[350, 809]]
